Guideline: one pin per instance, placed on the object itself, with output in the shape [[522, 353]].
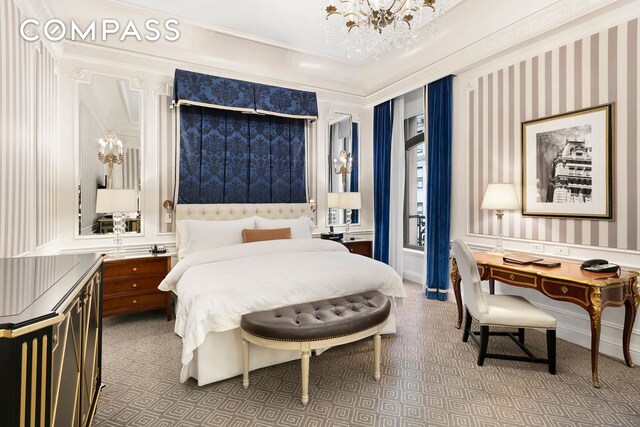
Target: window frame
[[408, 145]]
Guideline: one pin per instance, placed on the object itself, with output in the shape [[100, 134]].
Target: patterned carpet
[[429, 378]]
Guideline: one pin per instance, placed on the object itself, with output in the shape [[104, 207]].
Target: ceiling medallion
[[374, 26]]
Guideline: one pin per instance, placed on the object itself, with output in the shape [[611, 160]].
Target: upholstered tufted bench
[[317, 324]]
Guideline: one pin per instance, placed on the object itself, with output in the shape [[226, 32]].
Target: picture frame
[[567, 164]]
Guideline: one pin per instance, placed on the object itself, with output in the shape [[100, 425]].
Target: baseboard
[[413, 276]]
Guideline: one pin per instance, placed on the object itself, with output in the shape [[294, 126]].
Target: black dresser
[[50, 340]]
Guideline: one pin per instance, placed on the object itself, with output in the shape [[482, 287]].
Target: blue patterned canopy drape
[[230, 157], [229, 94]]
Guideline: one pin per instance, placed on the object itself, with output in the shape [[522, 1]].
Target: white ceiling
[[283, 42], [293, 24]]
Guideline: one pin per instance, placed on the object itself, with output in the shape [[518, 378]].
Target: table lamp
[[346, 201], [118, 203], [500, 197]]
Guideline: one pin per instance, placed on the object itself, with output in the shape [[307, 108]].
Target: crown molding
[[160, 65], [539, 23]]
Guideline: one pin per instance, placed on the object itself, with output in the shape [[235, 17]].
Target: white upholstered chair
[[501, 311]]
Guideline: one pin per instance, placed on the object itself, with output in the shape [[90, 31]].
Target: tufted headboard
[[223, 212]]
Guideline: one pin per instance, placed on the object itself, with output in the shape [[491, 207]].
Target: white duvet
[[217, 286]]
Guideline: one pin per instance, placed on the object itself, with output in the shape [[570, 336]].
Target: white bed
[[216, 286]]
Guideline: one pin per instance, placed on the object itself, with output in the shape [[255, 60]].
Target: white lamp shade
[[332, 200], [500, 197], [344, 200], [116, 201]]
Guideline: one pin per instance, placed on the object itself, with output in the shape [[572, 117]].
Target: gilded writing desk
[[591, 291]]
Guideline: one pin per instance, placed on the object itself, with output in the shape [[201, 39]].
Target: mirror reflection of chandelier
[[345, 167], [374, 26], [106, 153]]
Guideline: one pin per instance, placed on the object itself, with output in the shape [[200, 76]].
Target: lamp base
[[119, 227]]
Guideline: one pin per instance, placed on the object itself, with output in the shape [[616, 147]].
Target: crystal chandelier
[[374, 26]]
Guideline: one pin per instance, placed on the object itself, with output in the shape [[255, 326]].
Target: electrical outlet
[[537, 247], [561, 250]]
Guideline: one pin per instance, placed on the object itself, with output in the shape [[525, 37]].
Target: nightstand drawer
[[116, 286], [135, 267], [137, 302], [360, 247]]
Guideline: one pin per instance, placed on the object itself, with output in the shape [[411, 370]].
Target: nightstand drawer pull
[[135, 268], [134, 301], [135, 285]]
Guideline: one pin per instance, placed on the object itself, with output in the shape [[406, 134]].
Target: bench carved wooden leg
[[305, 376], [376, 355], [245, 363]]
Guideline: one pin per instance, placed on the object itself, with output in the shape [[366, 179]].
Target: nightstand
[[131, 284], [360, 247]]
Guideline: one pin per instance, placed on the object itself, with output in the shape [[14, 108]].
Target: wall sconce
[[313, 205], [345, 167], [168, 205], [106, 155]]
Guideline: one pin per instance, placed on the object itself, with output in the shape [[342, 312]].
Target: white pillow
[[198, 235], [300, 227]]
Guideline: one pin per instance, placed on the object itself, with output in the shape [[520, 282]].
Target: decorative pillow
[[197, 235], [300, 227], [249, 235]]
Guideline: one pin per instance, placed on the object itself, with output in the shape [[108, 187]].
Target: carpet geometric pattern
[[429, 378]]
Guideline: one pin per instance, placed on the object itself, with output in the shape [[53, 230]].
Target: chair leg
[[551, 350], [467, 326], [484, 342], [521, 335]]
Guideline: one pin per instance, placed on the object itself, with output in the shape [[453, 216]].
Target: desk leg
[[492, 286], [595, 312], [455, 282], [630, 311]]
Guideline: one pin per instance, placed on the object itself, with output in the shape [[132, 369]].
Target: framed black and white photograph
[[567, 163]]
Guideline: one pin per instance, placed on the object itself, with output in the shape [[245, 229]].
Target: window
[[415, 164]]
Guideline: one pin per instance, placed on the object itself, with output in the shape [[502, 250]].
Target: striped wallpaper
[[166, 158], [28, 147], [594, 70]]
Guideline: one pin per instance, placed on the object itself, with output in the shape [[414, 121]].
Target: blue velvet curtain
[[382, 127], [438, 188], [230, 157], [355, 177]]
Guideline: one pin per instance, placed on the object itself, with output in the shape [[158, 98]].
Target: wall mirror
[[109, 143], [343, 163]]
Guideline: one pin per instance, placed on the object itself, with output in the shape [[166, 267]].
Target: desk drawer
[[138, 302], [564, 291], [513, 278]]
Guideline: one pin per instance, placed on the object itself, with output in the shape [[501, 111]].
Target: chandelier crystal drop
[[375, 26]]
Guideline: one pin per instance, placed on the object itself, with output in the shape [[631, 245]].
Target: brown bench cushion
[[320, 320]]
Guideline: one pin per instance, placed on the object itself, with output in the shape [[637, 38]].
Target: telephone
[[158, 249], [599, 266]]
